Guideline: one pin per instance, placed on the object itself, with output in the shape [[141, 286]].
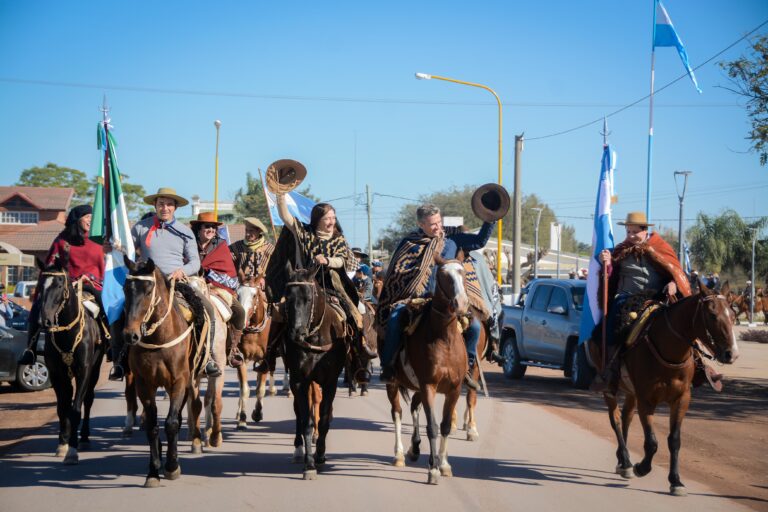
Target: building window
[[16, 274], [19, 217]]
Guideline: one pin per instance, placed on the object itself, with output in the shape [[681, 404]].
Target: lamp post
[[558, 226], [515, 220], [217, 124], [536, 242], [681, 197], [752, 286]]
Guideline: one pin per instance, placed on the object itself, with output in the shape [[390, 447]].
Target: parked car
[[543, 330], [22, 293], [31, 377], [20, 320]]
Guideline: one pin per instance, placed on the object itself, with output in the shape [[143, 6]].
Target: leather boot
[[468, 380], [117, 372], [235, 358]]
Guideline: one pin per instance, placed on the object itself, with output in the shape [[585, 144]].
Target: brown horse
[[470, 424], [659, 368], [433, 360], [253, 346], [162, 354]]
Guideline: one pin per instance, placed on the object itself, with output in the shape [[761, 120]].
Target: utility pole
[[516, 214], [752, 287], [681, 197], [558, 226], [368, 209], [536, 243]]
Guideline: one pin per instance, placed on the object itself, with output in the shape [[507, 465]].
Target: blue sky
[[332, 85]]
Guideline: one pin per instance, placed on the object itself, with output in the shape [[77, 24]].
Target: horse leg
[[324, 405], [650, 445], [272, 387], [298, 440], [194, 407], [242, 402], [213, 411], [315, 399], [677, 412], [428, 401], [131, 402], [147, 397], [82, 382], [397, 419], [257, 415], [301, 401], [470, 425], [414, 451], [449, 409], [62, 386], [172, 426], [624, 465]]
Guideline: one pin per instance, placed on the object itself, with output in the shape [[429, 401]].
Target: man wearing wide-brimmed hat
[[172, 247], [643, 266], [251, 255]]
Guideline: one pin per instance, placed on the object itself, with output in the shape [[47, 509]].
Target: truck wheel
[[513, 368], [581, 372]]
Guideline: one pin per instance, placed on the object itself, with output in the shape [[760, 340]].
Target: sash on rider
[[219, 269]]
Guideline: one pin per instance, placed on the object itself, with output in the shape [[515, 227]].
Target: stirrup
[[27, 357], [235, 358], [387, 374], [470, 382], [212, 369], [116, 372]]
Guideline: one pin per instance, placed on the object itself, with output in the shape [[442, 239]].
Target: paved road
[[526, 459]]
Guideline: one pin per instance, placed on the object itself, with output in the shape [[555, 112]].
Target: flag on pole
[[300, 206], [110, 222], [687, 256], [664, 34], [602, 238]]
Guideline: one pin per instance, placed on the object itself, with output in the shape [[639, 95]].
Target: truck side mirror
[[557, 310]]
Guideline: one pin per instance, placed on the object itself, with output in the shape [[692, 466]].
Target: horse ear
[[460, 255], [288, 268], [129, 263], [439, 260], [704, 288], [39, 264], [725, 289], [150, 266], [313, 272]]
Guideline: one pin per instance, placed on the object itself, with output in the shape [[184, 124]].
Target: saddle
[[337, 308], [222, 301]]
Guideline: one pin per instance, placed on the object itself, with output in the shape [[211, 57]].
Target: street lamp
[[685, 174], [217, 124], [536, 242], [515, 220]]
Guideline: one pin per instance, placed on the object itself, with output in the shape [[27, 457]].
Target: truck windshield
[[578, 298]]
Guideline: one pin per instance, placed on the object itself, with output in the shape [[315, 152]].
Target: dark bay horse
[[315, 352], [433, 360], [161, 355], [73, 352], [659, 368], [253, 346]]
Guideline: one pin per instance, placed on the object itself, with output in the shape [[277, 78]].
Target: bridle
[[154, 300], [311, 331], [252, 310], [68, 357]]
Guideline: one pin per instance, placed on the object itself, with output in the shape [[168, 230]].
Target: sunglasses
[[210, 226]]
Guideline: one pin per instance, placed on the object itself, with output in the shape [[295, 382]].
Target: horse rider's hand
[[177, 274], [322, 260], [671, 289], [605, 256], [260, 283]]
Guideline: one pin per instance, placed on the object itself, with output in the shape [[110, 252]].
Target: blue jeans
[[471, 337]]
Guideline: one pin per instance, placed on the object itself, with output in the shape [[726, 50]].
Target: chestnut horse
[[658, 368], [253, 346], [315, 352], [433, 360], [72, 352]]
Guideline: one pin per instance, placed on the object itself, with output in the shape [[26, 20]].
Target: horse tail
[[404, 393]]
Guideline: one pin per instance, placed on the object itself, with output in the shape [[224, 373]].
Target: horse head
[[300, 297], [55, 292], [140, 297], [715, 325], [450, 284]]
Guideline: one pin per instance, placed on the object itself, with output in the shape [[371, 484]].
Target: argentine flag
[[602, 238], [300, 207], [110, 222], [687, 256], [664, 34]]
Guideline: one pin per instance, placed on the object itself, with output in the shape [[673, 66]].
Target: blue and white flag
[[664, 34], [110, 222], [687, 256], [299, 206], [602, 238], [223, 232]]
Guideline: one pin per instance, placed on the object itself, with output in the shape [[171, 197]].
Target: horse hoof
[[257, 416], [413, 455], [352, 393], [625, 472], [72, 457], [310, 474], [173, 475], [678, 490], [465, 427], [472, 434], [399, 461], [364, 392], [151, 483], [215, 441], [434, 476], [298, 456], [446, 470], [241, 425], [127, 432], [197, 447], [638, 472], [272, 392], [62, 450]]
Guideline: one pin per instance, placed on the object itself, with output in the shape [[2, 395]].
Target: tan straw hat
[[253, 221], [206, 218], [285, 175], [166, 192], [635, 219]]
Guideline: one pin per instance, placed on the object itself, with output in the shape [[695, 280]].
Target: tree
[[53, 175], [749, 76], [132, 193]]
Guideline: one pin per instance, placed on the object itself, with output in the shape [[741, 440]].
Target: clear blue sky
[[304, 80]]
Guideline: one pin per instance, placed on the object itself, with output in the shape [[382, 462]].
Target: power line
[[600, 119]]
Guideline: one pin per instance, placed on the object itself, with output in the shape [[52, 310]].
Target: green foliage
[[53, 175], [723, 243], [132, 193], [749, 75]]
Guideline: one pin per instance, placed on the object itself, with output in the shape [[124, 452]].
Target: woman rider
[[84, 258], [218, 269]]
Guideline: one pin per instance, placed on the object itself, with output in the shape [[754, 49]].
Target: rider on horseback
[[218, 269], [84, 259], [642, 267], [411, 274], [251, 255], [170, 244]]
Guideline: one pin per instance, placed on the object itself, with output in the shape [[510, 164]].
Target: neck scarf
[[254, 246]]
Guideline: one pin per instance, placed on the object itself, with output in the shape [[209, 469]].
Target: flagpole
[[217, 124], [650, 120], [266, 198]]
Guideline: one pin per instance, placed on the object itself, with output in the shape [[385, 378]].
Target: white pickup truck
[[543, 330]]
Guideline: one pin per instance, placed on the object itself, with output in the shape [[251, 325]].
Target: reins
[[68, 357], [153, 302], [311, 331], [258, 328]]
